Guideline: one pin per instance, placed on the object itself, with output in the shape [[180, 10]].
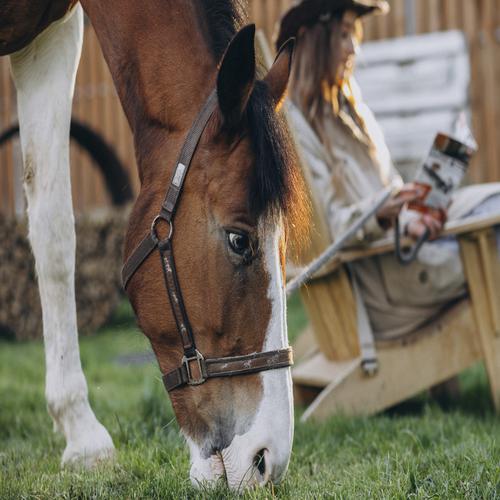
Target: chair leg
[[482, 271], [441, 351]]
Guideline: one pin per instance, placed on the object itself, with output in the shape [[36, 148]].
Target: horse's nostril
[[259, 462]]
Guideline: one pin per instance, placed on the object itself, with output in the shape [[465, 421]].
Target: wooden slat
[[369, 28], [106, 120], [332, 312], [453, 228], [7, 164], [87, 76], [420, 13], [496, 64], [442, 350], [450, 14], [490, 55], [470, 13], [384, 30], [398, 18], [386, 245], [479, 257]]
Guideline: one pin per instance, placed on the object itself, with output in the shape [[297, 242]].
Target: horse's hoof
[[91, 448]]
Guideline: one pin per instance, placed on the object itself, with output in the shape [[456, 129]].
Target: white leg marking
[[44, 74]]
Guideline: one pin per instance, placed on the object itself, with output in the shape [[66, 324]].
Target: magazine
[[443, 169]]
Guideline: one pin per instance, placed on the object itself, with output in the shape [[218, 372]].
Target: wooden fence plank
[[450, 14], [106, 120], [421, 9], [7, 161], [496, 65], [85, 105], [398, 18], [489, 55]]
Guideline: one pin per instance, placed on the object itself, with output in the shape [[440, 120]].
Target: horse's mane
[[277, 187], [223, 18], [277, 184]]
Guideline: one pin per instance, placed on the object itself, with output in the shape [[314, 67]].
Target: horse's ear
[[236, 76], [277, 77]]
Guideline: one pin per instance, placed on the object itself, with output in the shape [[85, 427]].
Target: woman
[[350, 164]]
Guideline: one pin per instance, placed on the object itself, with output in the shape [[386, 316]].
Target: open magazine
[[444, 168], [440, 174]]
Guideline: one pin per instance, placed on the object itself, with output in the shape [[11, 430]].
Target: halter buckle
[[200, 360]]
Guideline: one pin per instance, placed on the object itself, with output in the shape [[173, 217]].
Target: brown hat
[[309, 12]]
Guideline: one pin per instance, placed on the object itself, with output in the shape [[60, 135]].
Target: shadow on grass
[[474, 398]]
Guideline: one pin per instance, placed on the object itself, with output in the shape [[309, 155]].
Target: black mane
[[277, 187], [275, 174], [223, 18]]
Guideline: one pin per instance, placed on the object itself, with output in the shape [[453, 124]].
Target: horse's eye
[[239, 243]]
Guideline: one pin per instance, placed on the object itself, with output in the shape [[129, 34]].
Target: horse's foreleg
[[44, 74]]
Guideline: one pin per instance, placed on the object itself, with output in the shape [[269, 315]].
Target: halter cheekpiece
[[194, 369]]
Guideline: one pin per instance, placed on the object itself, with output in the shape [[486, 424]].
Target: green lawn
[[415, 451]]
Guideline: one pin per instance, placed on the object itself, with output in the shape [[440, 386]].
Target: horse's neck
[[158, 57]]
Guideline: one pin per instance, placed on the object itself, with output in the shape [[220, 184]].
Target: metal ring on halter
[[154, 235]]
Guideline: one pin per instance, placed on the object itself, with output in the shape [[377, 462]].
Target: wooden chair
[[328, 375]]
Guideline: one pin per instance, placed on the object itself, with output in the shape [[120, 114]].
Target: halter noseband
[[205, 368]]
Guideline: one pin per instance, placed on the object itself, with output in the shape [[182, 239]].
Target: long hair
[[316, 90], [313, 80]]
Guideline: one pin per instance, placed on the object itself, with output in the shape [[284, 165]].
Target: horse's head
[[241, 193]]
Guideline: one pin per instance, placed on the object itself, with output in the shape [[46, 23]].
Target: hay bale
[[99, 248]]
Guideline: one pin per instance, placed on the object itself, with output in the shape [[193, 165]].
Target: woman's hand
[[417, 227], [391, 208]]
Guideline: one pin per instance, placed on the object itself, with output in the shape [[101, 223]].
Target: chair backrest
[[416, 86]]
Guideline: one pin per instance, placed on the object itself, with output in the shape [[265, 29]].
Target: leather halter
[[194, 368]]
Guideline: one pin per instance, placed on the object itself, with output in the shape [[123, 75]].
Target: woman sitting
[[350, 164]]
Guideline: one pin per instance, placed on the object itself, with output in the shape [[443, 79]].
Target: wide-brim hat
[[309, 12]]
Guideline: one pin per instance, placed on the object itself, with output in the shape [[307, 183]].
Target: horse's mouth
[[218, 466], [256, 475]]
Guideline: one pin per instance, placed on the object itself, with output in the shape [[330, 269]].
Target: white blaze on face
[[271, 431]]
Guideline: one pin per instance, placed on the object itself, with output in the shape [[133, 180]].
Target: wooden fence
[[96, 103]]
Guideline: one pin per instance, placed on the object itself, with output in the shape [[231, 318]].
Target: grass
[[417, 450]]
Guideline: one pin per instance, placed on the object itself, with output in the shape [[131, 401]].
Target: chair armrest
[[386, 245]]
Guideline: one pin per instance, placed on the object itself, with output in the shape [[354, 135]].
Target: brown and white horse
[[241, 193]]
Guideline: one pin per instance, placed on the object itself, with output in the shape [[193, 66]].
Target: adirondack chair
[[328, 375]]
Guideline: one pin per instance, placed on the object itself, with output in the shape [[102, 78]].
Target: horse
[[185, 73]]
